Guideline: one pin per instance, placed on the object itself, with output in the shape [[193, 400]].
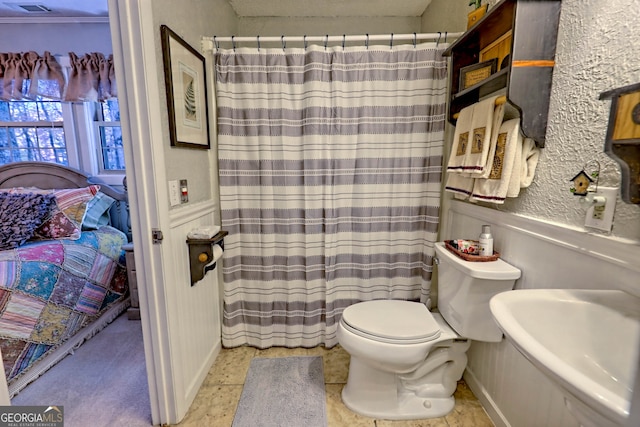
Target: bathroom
[[541, 232]]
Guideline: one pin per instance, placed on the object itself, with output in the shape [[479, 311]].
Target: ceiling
[[53, 9], [243, 8]]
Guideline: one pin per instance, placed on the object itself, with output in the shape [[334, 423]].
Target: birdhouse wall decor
[[622, 142], [581, 183]]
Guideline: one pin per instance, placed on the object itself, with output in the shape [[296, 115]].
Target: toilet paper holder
[[201, 255]]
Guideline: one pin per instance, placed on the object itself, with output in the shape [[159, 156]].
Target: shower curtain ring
[[233, 43], [415, 40], [216, 43], [439, 35], [445, 36], [366, 42], [304, 41], [343, 40], [258, 39], [391, 42], [284, 44], [326, 40]]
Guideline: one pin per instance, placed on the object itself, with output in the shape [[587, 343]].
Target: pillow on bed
[[65, 218], [20, 216], [97, 213]]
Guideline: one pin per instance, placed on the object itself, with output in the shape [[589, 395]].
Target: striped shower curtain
[[330, 167]]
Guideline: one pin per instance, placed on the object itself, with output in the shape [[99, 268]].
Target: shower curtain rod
[[211, 43]]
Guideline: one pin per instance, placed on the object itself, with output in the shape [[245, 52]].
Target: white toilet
[[405, 360]]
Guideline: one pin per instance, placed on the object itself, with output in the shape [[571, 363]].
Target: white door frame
[[134, 50]]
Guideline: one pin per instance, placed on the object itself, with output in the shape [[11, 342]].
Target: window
[[36, 126], [44, 131], [111, 153], [32, 131]]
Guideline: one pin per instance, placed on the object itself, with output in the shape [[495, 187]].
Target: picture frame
[[186, 85], [474, 74]]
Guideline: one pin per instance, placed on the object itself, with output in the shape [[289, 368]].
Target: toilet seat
[[391, 321]]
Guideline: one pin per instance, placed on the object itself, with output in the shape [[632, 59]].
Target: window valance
[[88, 77]]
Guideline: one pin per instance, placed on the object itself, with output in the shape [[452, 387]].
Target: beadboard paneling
[[513, 392], [194, 308]]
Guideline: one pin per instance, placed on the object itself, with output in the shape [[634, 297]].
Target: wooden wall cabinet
[[623, 138], [522, 35]]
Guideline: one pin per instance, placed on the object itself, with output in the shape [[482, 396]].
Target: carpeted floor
[[104, 383], [285, 391]]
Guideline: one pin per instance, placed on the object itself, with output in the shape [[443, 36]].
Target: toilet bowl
[[405, 360]]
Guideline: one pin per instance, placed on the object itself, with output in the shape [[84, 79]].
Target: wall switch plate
[[601, 217], [174, 193]]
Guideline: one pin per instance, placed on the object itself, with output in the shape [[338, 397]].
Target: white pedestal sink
[[586, 341]]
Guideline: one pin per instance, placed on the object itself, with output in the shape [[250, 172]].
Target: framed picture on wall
[[184, 74]]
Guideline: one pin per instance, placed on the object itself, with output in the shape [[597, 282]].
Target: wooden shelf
[[526, 79]]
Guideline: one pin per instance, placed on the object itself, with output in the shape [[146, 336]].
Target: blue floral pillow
[[21, 215]]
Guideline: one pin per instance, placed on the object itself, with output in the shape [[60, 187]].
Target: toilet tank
[[464, 291]]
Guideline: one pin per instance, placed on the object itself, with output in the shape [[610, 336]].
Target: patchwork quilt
[[51, 289]]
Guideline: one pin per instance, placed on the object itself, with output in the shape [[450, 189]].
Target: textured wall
[[595, 53]]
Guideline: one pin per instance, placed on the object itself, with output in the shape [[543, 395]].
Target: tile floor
[[216, 402]]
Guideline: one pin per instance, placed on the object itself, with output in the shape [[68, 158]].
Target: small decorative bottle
[[486, 241]]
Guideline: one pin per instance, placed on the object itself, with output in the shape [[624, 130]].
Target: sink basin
[[586, 341]]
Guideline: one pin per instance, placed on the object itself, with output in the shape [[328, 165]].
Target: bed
[[63, 276]]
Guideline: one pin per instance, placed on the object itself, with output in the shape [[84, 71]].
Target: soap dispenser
[[486, 241]]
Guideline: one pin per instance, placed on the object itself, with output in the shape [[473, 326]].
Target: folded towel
[[482, 121], [530, 156], [494, 188], [460, 144], [204, 233]]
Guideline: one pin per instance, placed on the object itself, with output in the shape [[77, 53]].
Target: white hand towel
[[513, 190], [494, 188], [460, 145], [461, 186], [481, 134], [498, 116], [530, 156]]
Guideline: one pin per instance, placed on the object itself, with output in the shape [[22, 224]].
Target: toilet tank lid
[[491, 270], [393, 319]]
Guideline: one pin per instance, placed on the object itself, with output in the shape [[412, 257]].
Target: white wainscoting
[[196, 308], [513, 392]]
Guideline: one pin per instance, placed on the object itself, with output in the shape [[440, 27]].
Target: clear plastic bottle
[[486, 241]]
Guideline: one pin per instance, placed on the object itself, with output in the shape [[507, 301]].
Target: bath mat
[[283, 392]]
